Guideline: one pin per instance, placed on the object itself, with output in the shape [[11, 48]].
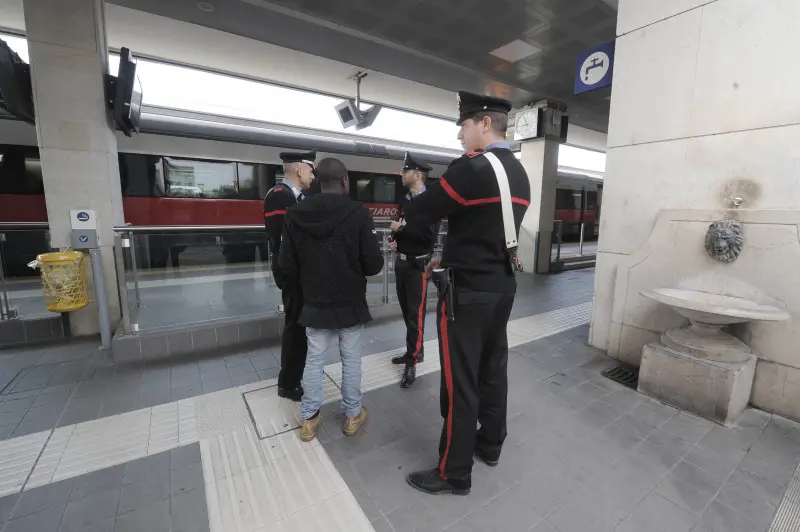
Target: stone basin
[[714, 309]]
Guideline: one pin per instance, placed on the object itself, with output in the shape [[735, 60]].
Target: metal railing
[[127, 263], [7, 312]]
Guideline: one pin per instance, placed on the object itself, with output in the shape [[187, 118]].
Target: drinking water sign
[[595, 68]]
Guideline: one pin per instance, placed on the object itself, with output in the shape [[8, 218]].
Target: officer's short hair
[[288, 168], [499, 121], [331, 171]]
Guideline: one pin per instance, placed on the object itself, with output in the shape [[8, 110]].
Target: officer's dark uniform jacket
[[278, 199], [416, 238], [468, 196]]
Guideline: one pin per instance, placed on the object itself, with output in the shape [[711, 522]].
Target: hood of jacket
[[322, 213]]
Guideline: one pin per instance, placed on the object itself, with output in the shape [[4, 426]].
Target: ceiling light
[[515, 51], [208, 7]]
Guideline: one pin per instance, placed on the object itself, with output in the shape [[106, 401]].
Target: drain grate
[[625, 375]]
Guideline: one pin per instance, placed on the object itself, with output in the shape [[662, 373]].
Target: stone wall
[[703, 109]]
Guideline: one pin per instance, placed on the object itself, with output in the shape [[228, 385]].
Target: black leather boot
[[490, 461], [293, 394], [409, 376], [432, 483], [404, 358]]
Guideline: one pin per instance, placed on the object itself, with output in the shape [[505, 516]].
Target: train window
[[375, 188], [568, 199], [20, 170], [249, 180], [591, 200], [186, 178], [141, 175]]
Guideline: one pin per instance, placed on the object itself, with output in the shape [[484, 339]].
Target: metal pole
[[102, 300], [135, 271], [5, 306], [580, 246], [385, 268], [122, 285], [558, 238]]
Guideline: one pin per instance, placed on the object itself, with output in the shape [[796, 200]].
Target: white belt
[[509, 227]]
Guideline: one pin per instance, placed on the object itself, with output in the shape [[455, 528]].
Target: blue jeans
[[350, 351]]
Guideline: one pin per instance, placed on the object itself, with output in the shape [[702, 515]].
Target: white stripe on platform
[[17, 457], [252, 484]]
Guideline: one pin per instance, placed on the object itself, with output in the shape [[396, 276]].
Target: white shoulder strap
[[505, 200]]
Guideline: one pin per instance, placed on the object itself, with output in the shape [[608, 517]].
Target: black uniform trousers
[[412, 292], [474, 356], [294, 344]]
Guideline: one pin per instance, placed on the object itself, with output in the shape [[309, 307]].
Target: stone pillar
[[540, 159], [704, 109], [77, 145]]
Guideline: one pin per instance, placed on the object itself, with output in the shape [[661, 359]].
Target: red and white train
[[197, 169]]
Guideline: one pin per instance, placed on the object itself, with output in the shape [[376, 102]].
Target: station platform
[[203, 444]]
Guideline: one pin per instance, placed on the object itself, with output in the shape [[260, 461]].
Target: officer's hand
[[396, 226], [393, 245], [434, 263]]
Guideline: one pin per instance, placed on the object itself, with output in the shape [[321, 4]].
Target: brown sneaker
[[353, 424], [308, 430]]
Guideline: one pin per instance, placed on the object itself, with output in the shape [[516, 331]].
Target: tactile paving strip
[[787, 517]]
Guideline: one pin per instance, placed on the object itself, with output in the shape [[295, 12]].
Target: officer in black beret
[[484, 195], [414, 243], [298, 177]]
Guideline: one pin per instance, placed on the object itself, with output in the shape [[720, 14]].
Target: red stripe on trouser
[[420, 320], [273, 213], [448, 381]]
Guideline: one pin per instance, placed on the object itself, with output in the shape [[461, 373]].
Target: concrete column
[[540, 159], [704, 110], [77, 145]]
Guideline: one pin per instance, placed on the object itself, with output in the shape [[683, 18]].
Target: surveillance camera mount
[[357, 77], [350, 112]]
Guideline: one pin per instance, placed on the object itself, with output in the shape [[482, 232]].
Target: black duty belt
[[403, 256]]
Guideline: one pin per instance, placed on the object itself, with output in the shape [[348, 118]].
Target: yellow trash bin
[[63, 281]]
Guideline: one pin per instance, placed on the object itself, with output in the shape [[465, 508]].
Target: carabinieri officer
[[476, 301], [298, 176], [414, 244]]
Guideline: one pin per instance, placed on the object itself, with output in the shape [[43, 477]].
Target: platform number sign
[[595, 68]]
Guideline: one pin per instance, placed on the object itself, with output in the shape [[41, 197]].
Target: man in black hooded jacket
[[329, 245]]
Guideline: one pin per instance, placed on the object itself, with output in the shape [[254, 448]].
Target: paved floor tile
[[186, 479], [657, 514], [755, 496], [50, 496], [149, 467], [721, 518], [97, 482], [690, 487], [45, 521], [140, 494], [153, 518], [90, 510]]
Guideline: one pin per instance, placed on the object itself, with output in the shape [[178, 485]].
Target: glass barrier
[[21, 286], [178, 276], [574, 240]]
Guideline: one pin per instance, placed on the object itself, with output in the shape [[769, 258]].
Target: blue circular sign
[[83, 216], [83, 238]]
